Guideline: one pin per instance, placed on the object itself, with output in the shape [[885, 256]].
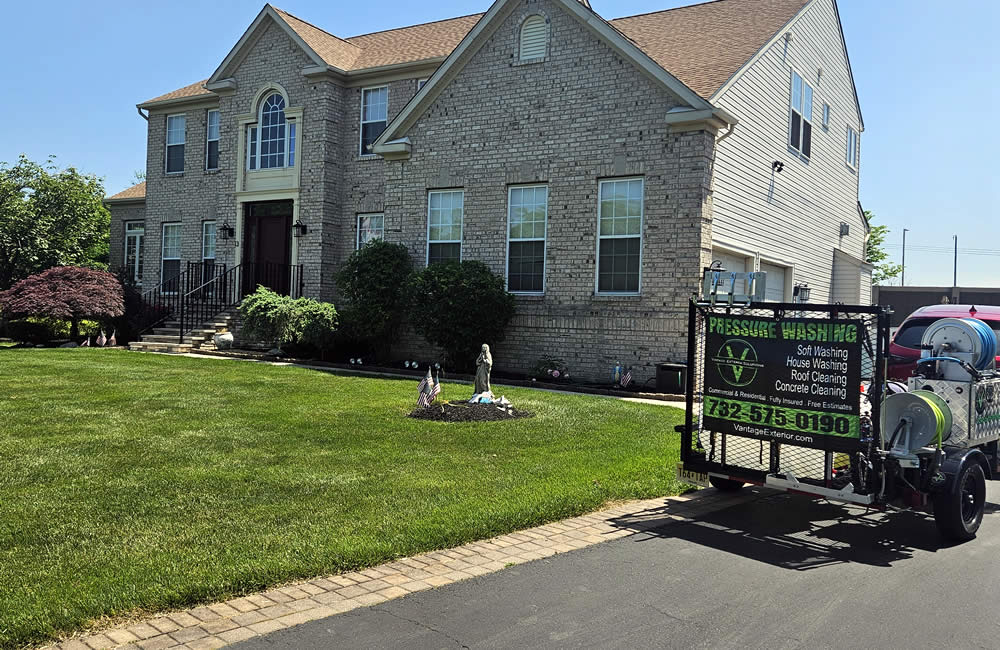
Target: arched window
[[534, 34], [271, 142]]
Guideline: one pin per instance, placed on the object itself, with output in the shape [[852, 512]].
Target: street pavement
[[782, 571]]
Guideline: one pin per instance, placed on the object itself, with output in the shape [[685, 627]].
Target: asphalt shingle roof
[[137, 191], [702, 45]]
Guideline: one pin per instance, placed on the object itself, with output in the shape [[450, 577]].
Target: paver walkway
[[214, 626]]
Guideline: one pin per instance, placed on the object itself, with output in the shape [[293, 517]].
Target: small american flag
[[86, 343], [435, 390], [112, 341], [424, 390], [627, 378], [101, 340]]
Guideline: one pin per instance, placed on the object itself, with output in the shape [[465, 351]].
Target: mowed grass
[[131, 483]]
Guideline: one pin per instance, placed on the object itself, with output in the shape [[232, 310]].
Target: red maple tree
[[69, 292]]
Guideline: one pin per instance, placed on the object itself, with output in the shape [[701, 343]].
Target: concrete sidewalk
[[239, 619]]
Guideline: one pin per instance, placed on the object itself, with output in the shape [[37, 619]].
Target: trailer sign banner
[[792, 380]]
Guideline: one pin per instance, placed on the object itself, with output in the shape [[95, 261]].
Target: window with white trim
[[208, 237], [135, 232], [374, 115], [527, 214], [826, 115], [534, 37], [370, 227], [421, 83], [212, 139], [445, 212], [800, 130], [170, 256], [619, 242], [271, 142], [852, 147], [175, 143]]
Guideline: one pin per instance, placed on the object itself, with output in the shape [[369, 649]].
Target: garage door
[[776, 277], [731, 262]]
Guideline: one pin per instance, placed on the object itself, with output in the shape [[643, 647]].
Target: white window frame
[[543, 238], [362, 215], [163, 246], [826, 115], [642, 222], [800, 109], [521, 57], [421, 83], [290, 151], [461, 228], [204, 239], [208, 135], [852, 148], [168, 144], [361, 116], [139, 236]]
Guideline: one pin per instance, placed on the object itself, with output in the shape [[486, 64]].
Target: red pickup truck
[[904, 351]]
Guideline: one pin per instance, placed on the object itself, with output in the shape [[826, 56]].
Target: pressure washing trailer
[[795, 397]]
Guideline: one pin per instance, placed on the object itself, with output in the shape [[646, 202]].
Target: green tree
[[50, 217], [875, 253]]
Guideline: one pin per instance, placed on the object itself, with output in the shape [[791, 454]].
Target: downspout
[[141, 114], [732, 127]]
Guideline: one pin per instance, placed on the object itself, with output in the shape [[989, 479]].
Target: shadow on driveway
[[797, 532]]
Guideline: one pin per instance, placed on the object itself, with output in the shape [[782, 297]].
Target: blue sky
[[925, 71]]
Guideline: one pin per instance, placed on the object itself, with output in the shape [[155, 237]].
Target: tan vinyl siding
[[846, 279], [793, 216]]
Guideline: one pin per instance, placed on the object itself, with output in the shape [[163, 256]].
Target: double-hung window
[[207, 250], [852, 147], [374, 115], [134, 233], [175, 143], [170, 257], [212, 140], [800, 131], [619, 241], [445, 211], [527, 213], [370, 227]]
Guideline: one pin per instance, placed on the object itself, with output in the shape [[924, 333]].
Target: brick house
[[598, 165]]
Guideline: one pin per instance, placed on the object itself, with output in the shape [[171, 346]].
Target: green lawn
[[132, 483]]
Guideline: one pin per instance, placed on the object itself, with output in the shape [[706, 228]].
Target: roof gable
[[135, 193], [488, 24]]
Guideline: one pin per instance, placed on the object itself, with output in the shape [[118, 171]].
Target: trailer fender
[[955, 457]]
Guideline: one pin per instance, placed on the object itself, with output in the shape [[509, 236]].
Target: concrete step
[[171, 348], [172, 338]]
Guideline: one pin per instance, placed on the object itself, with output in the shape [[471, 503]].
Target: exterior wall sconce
[[299, 228], [226, 231], [777, 166], [801, 293], [845, 229]]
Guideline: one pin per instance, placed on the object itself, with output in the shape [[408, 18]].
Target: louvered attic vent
[[533, 37]]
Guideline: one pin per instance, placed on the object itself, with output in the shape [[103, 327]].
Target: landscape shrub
[[283, 321], [68, 293], [372, 284], [458, 306], [44, 330], [550, 369]]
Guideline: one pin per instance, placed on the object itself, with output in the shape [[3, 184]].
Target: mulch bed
[[458, 411]]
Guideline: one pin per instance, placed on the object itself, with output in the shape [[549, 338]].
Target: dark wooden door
[[268, 246]]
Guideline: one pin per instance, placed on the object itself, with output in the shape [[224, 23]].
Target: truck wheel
[[958, 509], [725, 484]]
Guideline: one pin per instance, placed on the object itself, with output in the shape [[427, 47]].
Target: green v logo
[[737, 370]]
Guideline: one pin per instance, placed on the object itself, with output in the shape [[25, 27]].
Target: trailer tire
[[958, 509], [725, 484]]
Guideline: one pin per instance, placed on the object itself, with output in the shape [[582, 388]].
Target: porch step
[[170, 348]]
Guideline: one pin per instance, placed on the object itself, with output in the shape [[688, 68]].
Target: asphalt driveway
[[780, 572]]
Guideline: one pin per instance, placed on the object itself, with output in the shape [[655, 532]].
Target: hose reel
[[959, 347], [914, 420]]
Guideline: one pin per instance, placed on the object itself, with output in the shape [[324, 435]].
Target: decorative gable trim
[[222, 73], [485, 28]]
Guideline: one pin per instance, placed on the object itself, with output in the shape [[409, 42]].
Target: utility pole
[[902, 277], [955, 277]]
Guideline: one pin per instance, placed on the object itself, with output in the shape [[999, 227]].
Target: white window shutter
[[533, 38]]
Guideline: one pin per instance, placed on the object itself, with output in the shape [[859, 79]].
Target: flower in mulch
[[555, 374]]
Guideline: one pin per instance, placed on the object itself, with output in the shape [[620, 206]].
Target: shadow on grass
[[795, 532]]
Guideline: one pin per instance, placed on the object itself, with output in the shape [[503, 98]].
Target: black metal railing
[[227, 288], [159, 304]]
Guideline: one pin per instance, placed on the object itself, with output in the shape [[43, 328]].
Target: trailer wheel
[[958, 509], [725, 484]]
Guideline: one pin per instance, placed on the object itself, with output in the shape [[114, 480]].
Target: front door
[[268, 242]]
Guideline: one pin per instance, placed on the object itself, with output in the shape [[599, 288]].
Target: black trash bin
[[671, 378]]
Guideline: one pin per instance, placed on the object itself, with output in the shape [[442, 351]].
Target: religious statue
[[484, 364]]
